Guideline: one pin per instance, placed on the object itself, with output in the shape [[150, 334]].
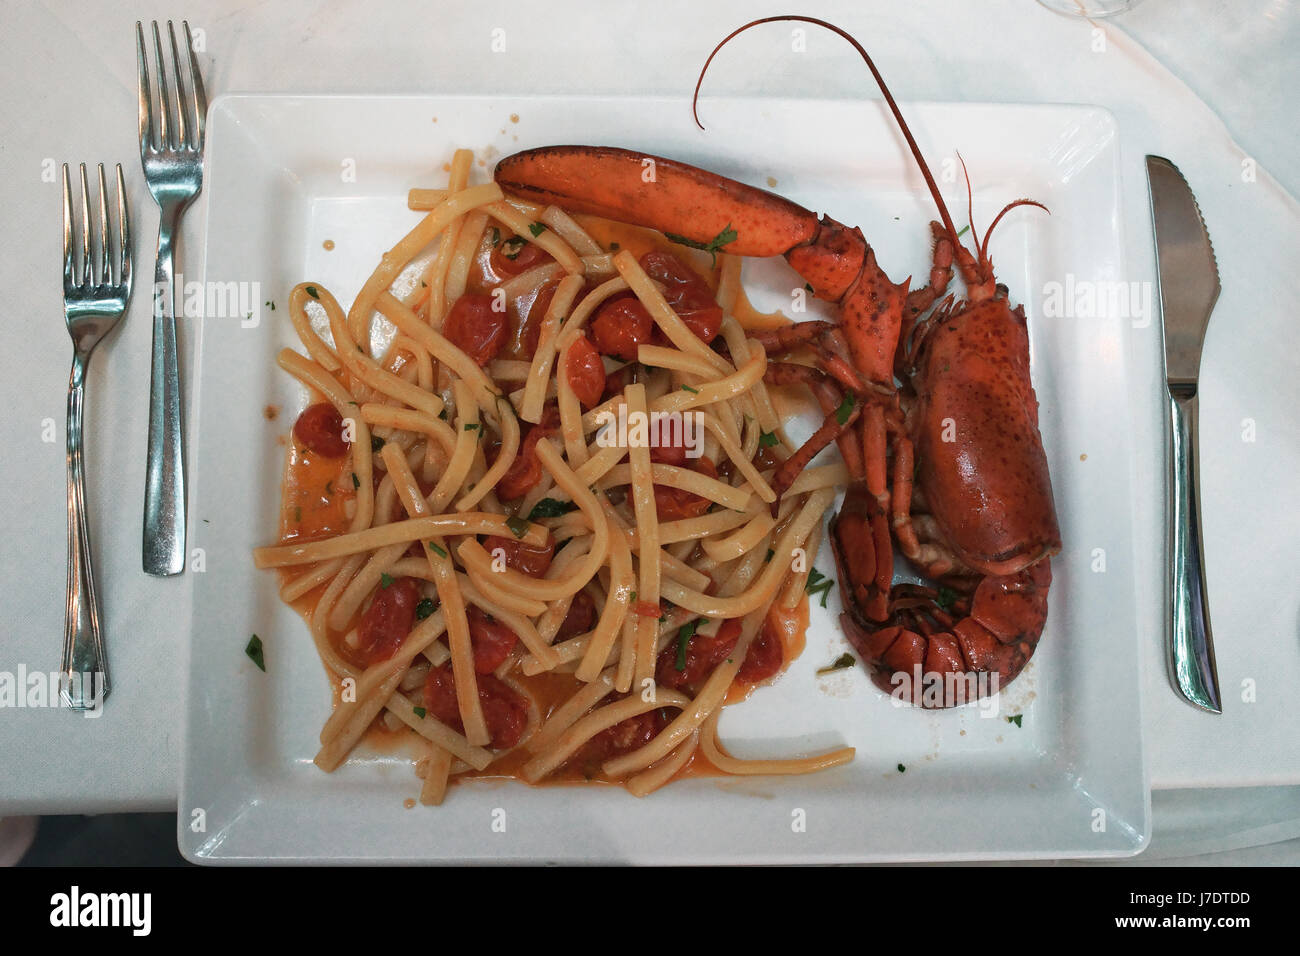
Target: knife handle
[[1191, 644]]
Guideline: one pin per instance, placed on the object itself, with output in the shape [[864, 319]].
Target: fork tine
[[69, 278], [164, 93], [105, 268], [196, 87], [147, 138], [182, 120], [123, 234], [86, 277]]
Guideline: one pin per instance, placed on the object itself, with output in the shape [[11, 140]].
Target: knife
[[1189, 286]]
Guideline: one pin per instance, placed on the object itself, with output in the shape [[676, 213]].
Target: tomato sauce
[[317, 491]]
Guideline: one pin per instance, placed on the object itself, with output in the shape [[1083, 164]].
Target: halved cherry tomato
[[702, 655], [764, 658], [492, 640], [688, 294], [581, 617], [666, 444], [504, 711], [320, 429], [526, 471], [624, 737], [672, 504], [387, 621], [524, 558], [525, 257], [585, 371], [620, 325], [476, 328]]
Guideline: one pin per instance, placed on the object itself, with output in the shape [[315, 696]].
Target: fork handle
[[1191, 643], [164, 495], [84, 659]]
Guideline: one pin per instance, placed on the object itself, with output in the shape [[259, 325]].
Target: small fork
[[171, 152], [93, 302]]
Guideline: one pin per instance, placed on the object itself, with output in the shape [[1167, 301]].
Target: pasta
[[537, 533]]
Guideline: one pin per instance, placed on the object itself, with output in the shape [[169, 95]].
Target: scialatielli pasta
[[537, 533]]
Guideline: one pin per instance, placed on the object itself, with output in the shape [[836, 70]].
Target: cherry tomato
[[666, 445], [688, 294], [524, 558], [387, 621], [586, 372], [703, 654], [526, 256], [492, 640], [621, 324], [504, 711], [764, 658], [581, 617], [320, 429], [526, 471], [673, 504], [624, 737], [476, 328]]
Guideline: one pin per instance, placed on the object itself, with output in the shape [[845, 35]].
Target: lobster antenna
[[984, 246], [880, 81]]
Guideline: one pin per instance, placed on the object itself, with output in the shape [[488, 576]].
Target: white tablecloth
[[1205, 83]]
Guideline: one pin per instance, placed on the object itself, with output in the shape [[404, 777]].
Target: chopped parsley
[[471, 427], [419, 712], [496, 236], [808, 286], [946, 598], [1016, 719], [517, 525], [512, 247], [550, 508], [693, 391], [684, 635], [712, 247], [536, 228], [819, 584], [423, 610], [443, 414], [845, 410], [385, 581], [901, 768], [254, 652], [767, 439], [964, 230], [439, 551], [311, 291], [356, 482], [840, 663]]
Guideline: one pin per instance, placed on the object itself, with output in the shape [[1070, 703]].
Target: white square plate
[[286, 173]]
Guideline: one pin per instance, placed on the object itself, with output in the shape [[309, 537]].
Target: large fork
[[92, 304], [171, 152]]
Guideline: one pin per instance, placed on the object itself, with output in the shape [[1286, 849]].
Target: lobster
[[941, 433]]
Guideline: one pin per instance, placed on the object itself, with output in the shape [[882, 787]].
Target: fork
[[93, 302], [171, 152]]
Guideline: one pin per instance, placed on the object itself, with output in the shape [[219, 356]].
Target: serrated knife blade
[[1188, 278]]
